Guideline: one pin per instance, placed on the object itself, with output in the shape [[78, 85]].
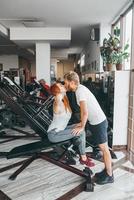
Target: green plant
[[109, 46], [116, 31], [120, 55]]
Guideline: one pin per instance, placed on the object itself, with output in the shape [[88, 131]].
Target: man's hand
[[78, 125], [76, 131]]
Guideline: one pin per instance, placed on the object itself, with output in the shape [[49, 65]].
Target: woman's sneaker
[[87, 162]]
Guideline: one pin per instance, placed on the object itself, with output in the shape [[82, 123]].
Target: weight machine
[[38, 117]]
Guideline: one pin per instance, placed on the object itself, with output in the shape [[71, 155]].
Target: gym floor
[[42, 180]]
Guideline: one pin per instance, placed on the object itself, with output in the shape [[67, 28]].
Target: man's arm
[[84, 113], [84, 116]]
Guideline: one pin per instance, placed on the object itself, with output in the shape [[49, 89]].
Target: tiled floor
[[45, 181]]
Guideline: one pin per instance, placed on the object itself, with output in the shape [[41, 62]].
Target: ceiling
[[8, 47], [77, 14]]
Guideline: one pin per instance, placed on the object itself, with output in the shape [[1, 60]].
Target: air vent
[[33, 23], [72, 56]]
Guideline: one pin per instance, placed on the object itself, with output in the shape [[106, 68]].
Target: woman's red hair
[[56, 90]]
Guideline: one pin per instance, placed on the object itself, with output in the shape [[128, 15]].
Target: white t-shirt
[[60, 121], [95, 113]]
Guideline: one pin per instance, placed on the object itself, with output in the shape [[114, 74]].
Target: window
[[82, 60], [122, 29], [116, 30], [127, 35]]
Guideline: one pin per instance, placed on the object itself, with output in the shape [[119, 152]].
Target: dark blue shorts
[[99, 132]]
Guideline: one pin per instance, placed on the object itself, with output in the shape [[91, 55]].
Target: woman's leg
[[66, 134], [60, 136], [82, 145]]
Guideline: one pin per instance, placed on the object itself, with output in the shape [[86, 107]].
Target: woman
[[58, 130]]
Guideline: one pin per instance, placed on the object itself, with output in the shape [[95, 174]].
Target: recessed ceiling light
[[31, 51]]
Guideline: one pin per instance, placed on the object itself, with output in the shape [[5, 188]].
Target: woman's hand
[[76, 131]]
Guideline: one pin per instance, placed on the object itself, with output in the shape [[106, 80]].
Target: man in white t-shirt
[[91, 111]]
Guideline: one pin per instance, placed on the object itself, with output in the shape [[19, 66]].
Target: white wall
[[33, 68], [92, 55], [92, 50], [9, 61], [63, 53], [121, 98]]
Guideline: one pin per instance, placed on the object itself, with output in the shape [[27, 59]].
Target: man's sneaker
[[105, 179], [87, 162], [99, 174]]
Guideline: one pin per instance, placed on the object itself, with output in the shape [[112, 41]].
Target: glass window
[[127, 36], [116, 30], [82, 60]]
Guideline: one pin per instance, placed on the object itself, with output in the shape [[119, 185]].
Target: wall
[[9, 61], [120, 120], [93, 60], [25, 65], [131, 118], [92, 56], [33, 69], [131, 102], [63, 67]]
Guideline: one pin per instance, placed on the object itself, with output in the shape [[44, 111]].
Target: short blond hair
[[72, 76]]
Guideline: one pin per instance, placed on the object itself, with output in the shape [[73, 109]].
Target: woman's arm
[[58, 104]]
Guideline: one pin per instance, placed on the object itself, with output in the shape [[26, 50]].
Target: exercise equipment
[[38, 117]]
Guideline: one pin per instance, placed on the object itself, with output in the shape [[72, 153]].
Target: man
[[91, 111], [45, 89]]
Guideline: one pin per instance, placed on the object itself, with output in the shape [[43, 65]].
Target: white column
[[43, 61]]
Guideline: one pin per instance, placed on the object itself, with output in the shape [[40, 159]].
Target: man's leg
[[99, 132], [105, 176], [107, 158]]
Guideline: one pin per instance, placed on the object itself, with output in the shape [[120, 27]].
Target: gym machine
[[38, 117]]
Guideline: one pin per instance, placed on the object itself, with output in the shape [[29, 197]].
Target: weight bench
[[37, 149], [39, 119]]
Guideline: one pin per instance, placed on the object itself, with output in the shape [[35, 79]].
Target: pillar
[[43, 61]]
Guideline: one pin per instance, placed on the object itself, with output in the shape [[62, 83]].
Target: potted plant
[[120, 55], [109, 46], [107, 58]]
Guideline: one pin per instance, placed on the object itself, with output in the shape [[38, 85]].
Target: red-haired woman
[[58, 130]]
